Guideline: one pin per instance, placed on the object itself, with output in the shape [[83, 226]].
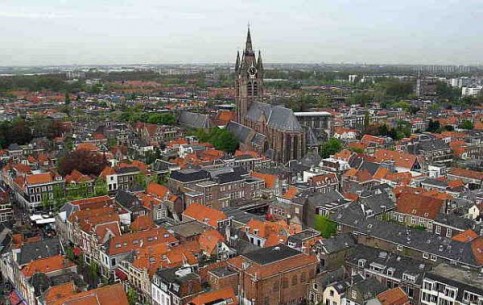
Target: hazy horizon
[[107, 32]]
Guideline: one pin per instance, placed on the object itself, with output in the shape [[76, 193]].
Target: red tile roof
[[465, 236], [226, 294], [47, 265], [394, 296], [400, 159], [412, 204], [205, 214], [107, 295]]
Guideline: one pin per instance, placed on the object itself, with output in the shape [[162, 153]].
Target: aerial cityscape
[[137, 173]]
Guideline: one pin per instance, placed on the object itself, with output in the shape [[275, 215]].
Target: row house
[[419, 244], [216, 188], [91, 229], [50, 267], [157, 134], [216, 219], [118, 248], [390, 269], [63, 228], [120, 178], [138, 271], [32, 190], [473, 179], [175, 286], [6, 209], [417, 210], [447, 284]]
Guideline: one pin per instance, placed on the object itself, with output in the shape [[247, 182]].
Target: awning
[[121, 275]]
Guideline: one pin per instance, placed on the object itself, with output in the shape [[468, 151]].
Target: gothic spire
[[259, 62], [237, 64], [248, 46]]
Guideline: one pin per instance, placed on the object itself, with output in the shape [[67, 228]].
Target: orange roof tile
[[39, 178], [107, 295], [204, 214], [417, 205], [394, 296], [465, 236], [58, 292], [400, 159], [291, 192], [138, 240], [87, 146], [226, 294], [477, 249], [466, 173], [270, 180], [209, 240], [143, 222], [46, 265], [157, 189]]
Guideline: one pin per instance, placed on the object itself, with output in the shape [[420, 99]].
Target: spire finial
[[248, 47]]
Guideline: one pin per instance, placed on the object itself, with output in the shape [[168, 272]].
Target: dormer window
[[361, 262]]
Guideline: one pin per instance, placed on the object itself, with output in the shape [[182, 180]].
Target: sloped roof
[[416, 205], [277, 117], [204, 214]]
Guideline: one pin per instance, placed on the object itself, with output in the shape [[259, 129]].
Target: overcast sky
[[47, 32]]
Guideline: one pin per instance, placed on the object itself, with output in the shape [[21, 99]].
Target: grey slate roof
[[194, 120], [423, 241], [277, 117], [337, 243], [41, 249], [243, 133], [389, 261], [188, 175]]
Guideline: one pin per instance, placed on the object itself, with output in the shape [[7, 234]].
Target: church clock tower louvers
[[248, 79]]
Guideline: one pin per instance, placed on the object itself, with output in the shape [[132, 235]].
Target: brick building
[[274, 275]]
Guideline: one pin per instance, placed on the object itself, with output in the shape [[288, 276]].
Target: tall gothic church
[[271, 130]]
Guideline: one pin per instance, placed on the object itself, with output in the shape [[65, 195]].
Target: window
[[294, 280], [331, 292], [285, 282], [449, 232], [354, 294], [361, 262], [425, 255], [275, 287], [433, 257], [438, 230]]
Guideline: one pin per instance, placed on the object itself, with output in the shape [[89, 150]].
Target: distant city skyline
[[96, 32]]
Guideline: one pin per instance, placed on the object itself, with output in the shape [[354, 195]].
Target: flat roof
[[271, 254]]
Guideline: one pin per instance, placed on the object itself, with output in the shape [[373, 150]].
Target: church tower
[[248, 79]]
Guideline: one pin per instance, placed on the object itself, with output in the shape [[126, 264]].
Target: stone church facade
[[269, 129]]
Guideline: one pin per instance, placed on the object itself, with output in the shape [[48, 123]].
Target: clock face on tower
[[252, 71]]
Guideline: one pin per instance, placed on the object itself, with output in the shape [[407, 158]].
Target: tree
[[67, 99], [222, 139], [466, 124], [132, 296], [330, 147], [100, 187], [325, 226], [86, 162], [433, 126]]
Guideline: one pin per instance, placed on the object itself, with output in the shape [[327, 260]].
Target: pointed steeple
[[248, 45], [237, 63], [259, 62]]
